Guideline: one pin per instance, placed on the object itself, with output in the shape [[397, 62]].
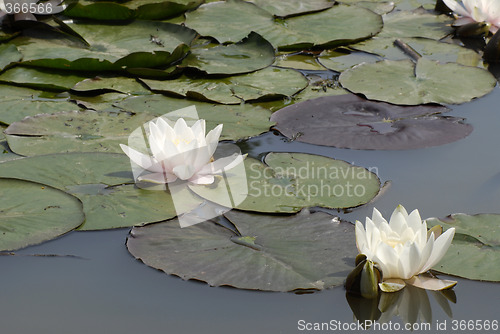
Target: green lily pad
[[31, 213], [310, 251], [416, 24], [105, 185], [74, 131], [428, 48], [9, 54], [16, 110], [111, 47], [240, 121], [251, 54], [288, 182], [475, 249], [349, 121], [266, 84], [379, 7], [399, 4], [40, 79], [110, 84], [232, 20], [102, 102], [142, 9], [320, 85], [404, 82], [283, 8], [5, 152]]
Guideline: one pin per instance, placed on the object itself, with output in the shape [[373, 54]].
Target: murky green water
[[105, 290]]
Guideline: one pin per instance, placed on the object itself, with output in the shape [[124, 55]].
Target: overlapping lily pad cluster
[[73, 86]]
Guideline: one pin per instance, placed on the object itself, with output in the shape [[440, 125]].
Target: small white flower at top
[[403, 248], [181, 152], [480, 11]]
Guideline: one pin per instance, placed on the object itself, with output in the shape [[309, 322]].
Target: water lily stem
[[408, 50]]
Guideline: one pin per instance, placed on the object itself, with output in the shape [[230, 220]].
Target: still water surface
[[105, 290]]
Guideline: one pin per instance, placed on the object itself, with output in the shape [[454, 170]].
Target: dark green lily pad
[[399, 4], [232, 20], [111, 47], [320, 85], [288, 182], [102, 102], [292, 7], [142, 9], [475, 250], [428, 48], [40, 79], [266, 84], [407, 83], [110, 84], [16, 110], [251, 54], [240, 121], [5, 152], [9, 54], [31, 213], [269, 253], [351, 122], [105, 185]]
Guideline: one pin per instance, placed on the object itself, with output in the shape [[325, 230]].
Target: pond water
[[95, 286]]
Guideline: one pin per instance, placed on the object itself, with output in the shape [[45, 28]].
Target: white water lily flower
[[181, 152], [403, 249], [470, 11]]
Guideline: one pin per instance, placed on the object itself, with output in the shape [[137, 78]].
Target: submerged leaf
[[349, 121]]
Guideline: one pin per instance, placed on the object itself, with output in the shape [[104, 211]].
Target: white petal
[[388, 260], [377, 217], [183, 172], [441, 245], [410, 260], [214, 134], [142, 160], [398, 222], [456, 7], [361, 238], [414, 221], [426, 253], [202, 179], [430, 283]]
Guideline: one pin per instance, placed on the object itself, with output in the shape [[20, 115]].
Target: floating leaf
[[288, 182], [351, 122], [16, 110], [142, 9], [251, 54], [74, 131], [240, 121], [428, 48], [266, 84], [416, 24], [110, 84], [31, 213], [232, 20], [292, 7], [400, 4], [112, 47], [475, 250], [404, 82], [8, 55], [40, 79], [270, 253], [104, 183]]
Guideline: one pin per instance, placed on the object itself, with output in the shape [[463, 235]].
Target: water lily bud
[[492, 50], [474, 29], [364, 279]]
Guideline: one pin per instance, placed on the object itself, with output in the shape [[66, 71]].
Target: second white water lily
[[402, 248], [481, 11], [182, 152]]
